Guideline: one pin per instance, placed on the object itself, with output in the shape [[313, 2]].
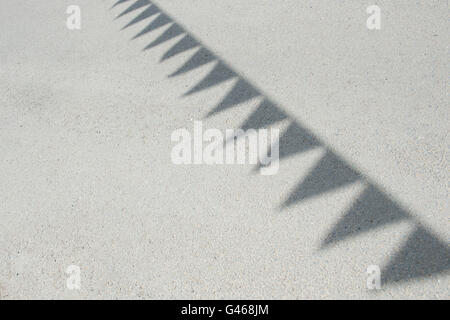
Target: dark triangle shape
[[118, 2], [160, 21], [201, 57], [147, 13], [329, 174], [265, 115], [422, 255], [138, 4], [218, 74], [181, 46], [173, 31], [241, 92], [296, 139], [372, 209]]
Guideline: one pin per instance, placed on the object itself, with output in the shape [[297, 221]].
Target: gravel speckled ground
[[86, 177]]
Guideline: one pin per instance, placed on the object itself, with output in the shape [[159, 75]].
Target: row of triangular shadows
[[423, 254], [242, 90]]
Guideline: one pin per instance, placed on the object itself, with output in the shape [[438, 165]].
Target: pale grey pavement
[[86, 176]]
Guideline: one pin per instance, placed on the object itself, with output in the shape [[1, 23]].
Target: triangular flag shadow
[[160, 21], [422, 255], [118, 2], [174, 31], [201, 57], [147, 13], [218, 74], [371, 210], [242, 91], [185, 44], [329, 174], [265, 115], [296, 139], [138, 4]]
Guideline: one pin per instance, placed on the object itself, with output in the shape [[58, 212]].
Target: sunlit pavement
[[86, 171]]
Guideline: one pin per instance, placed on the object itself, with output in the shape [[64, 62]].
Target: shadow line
[[422, 255]]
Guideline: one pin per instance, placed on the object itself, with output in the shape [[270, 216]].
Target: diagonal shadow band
[[422, 255]]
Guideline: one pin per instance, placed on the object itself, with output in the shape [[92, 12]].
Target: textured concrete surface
[[86, 176]]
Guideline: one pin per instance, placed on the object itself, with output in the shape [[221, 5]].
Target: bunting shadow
[[422, 255]]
